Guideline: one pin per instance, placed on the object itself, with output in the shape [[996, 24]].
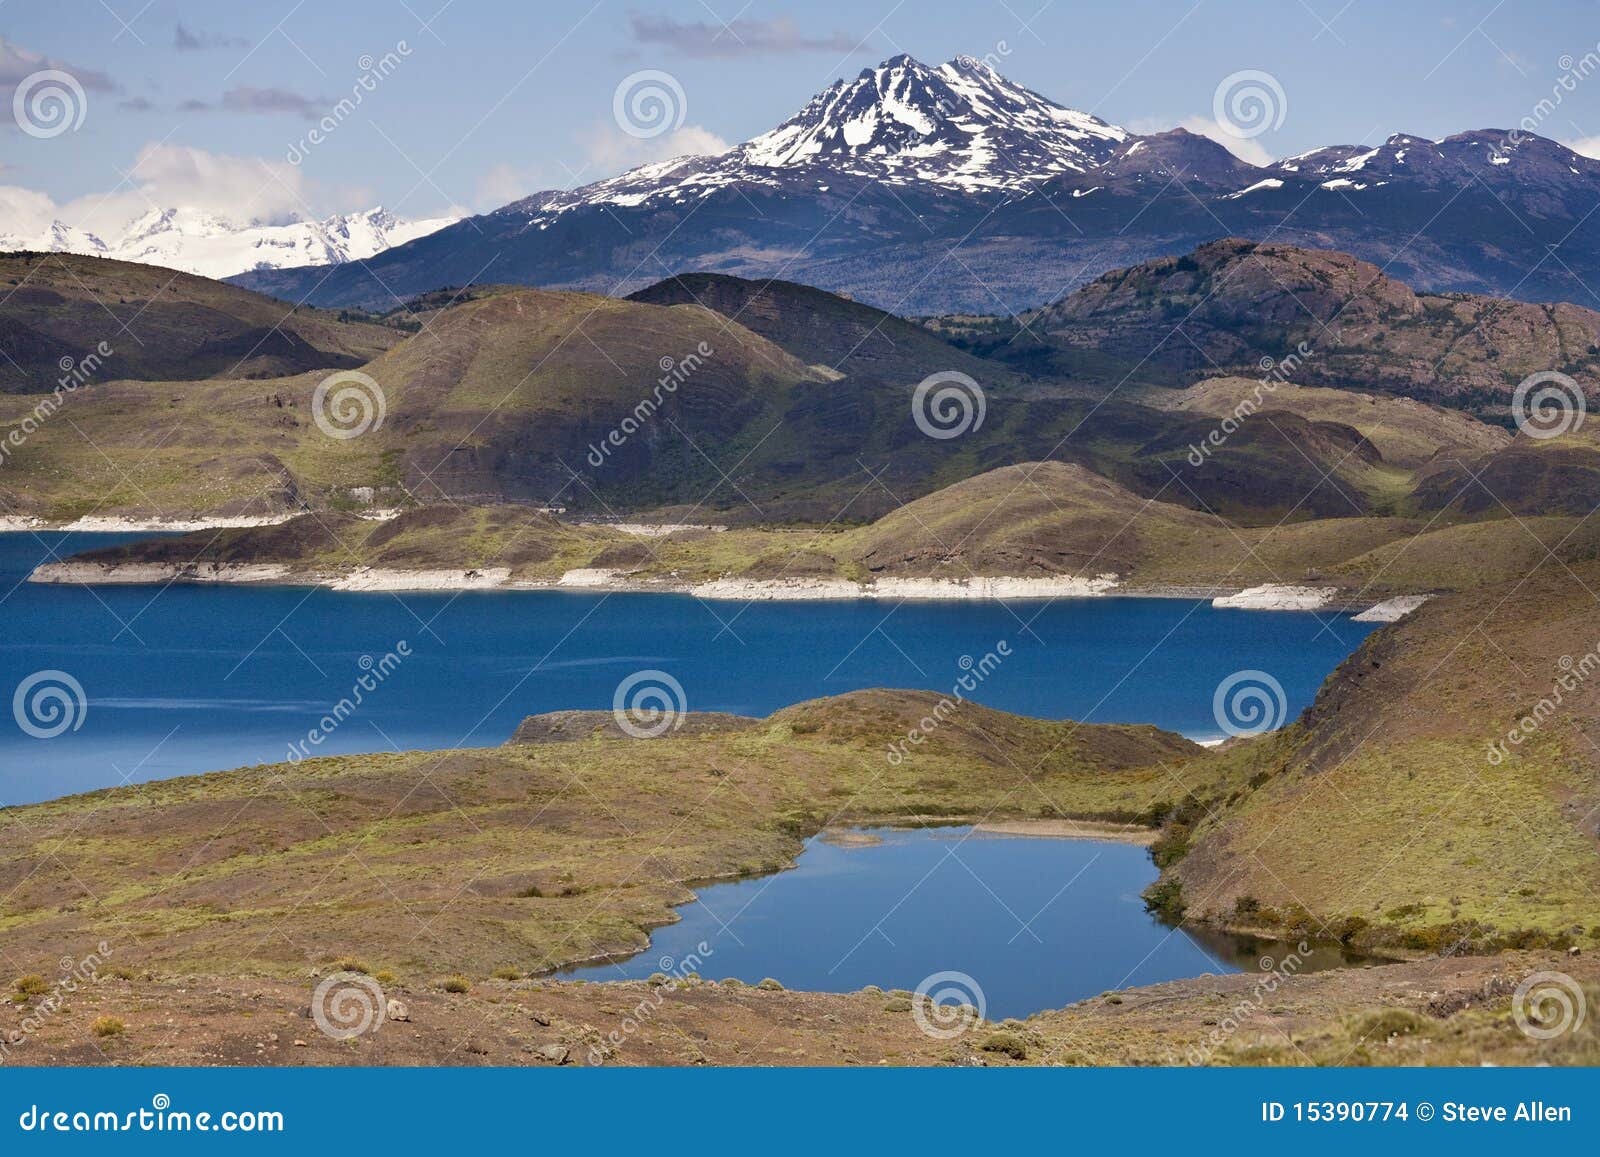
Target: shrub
[[1171, 846], [898, 1004], [1246, 907], [770, 985], [351, 964], [30, 985], [107, 1026], [506, 972], [456, 984], [1006, 1043], [386, 978], [1165, 899]]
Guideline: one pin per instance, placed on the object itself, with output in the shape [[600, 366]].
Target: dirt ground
[[1439, 1011]]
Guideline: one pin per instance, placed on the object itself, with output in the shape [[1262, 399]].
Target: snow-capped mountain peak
[[960, 126], [961, 123], [195, 241]]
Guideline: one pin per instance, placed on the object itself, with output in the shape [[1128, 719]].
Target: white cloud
[[505, 183], [1585, 146], [1247, 149], [243, 190], [608, 150]]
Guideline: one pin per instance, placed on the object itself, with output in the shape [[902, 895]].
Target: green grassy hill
[[1395, 811], [160, 325], [500, 857]]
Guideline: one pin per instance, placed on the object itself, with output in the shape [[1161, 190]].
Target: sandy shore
[[1392, 610], [146, 573], [1278, 597], [602, 580], [113, 524], [369, 578], [1071, 830], [906, 588]]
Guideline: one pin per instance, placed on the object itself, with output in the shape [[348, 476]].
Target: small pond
[[1035, 923]]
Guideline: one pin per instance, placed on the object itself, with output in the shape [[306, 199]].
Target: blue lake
[[185, 679], [1031, 923]]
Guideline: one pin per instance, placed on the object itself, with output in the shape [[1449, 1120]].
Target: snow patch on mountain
[[211, 245], [959, 126]]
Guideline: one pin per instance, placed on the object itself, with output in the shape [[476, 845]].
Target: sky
[[468, 104]]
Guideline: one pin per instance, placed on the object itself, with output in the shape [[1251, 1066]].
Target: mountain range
[[194, 241], [950, 189]]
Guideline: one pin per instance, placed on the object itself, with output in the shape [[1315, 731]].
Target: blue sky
[[492, 98]]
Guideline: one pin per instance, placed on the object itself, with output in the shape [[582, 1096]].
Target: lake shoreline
[[989, 588]]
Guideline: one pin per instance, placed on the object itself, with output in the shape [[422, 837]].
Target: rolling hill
[[950, 188], [1242, 307], [1397, 811], [159, 325]]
